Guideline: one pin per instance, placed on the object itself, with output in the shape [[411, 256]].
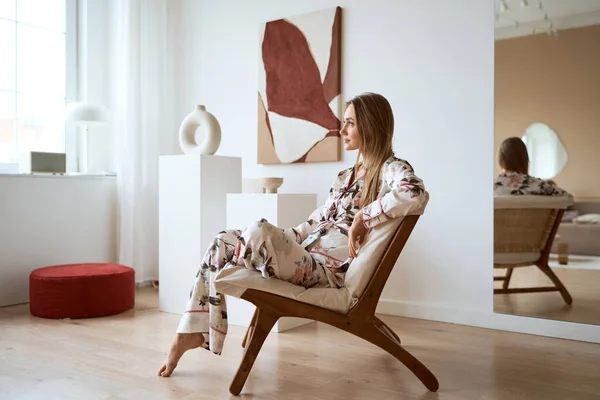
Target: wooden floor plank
[[117, 358]]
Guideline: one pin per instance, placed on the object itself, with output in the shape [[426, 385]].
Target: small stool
[[81, 290]]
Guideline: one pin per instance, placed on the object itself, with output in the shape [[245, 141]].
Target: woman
[[316, 253], [514, 180]]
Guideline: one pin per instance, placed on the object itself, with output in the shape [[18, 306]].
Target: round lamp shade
[[87, 114]]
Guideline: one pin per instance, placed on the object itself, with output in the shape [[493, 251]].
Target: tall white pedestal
[[282, 210], [192, 210]]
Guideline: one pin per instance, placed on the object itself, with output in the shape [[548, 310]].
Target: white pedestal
[[282, 210], [192, 210]]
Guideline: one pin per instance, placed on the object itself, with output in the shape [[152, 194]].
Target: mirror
[[547, 155], [547, 93]]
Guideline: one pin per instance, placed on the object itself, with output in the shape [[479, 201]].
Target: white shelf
[[192, 211]]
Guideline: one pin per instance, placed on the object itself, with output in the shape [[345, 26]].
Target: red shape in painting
[[293, 81]]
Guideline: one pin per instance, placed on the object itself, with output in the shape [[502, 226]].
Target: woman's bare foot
[[183, 342]]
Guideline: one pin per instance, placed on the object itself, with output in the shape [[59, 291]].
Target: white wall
[[49, 220], [434, 62]]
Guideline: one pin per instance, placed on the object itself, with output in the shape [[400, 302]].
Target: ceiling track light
[[540, 7], [503, 6], [524, 3]]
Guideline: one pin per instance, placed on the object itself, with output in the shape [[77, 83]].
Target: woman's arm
[[407, 194]]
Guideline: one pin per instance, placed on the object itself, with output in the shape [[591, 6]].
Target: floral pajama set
[[515, 183], [313, 254]]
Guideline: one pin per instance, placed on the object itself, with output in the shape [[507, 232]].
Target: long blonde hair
[[375, 124]]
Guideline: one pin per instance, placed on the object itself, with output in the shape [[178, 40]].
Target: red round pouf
[[81, 290]]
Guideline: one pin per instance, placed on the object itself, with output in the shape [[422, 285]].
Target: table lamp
[[86, 114]]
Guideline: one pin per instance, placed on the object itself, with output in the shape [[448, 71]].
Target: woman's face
[[350, 130]]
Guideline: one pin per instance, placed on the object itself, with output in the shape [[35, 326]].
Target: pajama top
[[515, 183], [325, 234]]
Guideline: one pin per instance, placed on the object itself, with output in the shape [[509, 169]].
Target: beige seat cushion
[[235, 281], [515, 258], [530, 201], [363, 267]]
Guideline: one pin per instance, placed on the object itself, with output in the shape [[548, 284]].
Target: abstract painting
[[299, 89]]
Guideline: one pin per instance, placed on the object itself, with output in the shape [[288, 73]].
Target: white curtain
[[139, 100]]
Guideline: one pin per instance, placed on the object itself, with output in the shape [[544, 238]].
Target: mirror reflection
[[546, 143]]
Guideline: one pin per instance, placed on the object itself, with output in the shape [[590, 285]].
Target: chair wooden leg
[[248, 334], [387, 330], [378, 337], [262, 326], [557, 282], [506, 280]]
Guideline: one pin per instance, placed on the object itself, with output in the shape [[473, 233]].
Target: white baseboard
[[491, 320]]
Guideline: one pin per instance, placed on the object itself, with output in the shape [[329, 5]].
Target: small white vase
[[271, 184], [199, 118]]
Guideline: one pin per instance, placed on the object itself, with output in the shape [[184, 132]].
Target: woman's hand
[[356, 234]]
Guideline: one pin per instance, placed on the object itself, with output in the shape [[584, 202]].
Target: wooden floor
[[118, 357], [582, 284]]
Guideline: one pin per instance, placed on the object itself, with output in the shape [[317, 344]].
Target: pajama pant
[[263, 247]]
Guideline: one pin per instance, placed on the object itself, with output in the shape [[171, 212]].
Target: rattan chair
[[524, 229]]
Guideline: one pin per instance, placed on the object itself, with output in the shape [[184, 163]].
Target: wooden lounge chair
[[351, 308], [524, 229]]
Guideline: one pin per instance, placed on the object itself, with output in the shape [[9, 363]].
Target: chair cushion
[[235, 281], [370, 254], [81, 290], [515, 258], [363, 267], [531, 201]]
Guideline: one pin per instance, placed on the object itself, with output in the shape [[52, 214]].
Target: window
[[35, 62]]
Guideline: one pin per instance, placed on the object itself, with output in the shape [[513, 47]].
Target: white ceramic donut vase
[[199, 118]]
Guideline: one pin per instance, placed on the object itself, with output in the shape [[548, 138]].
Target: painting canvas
[[299, 89]]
